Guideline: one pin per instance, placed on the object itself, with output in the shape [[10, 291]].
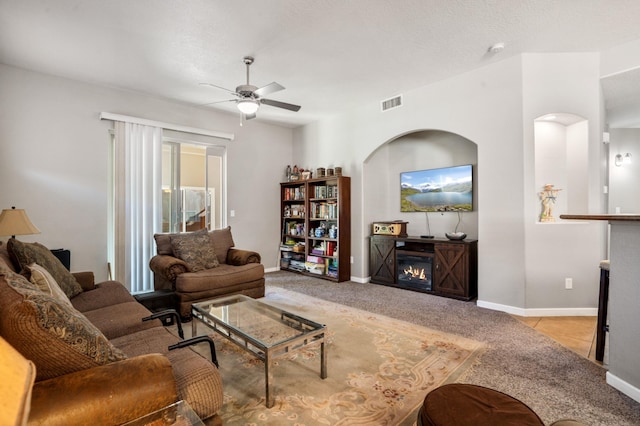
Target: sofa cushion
[[25, 254], [197, 379], [195, 249], [121, 319], [106, 293], [5, 259], [155, 340], [224, 276], [45, 282], [221, 239], [56, 337]]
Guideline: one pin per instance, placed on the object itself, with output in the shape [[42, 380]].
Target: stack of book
[[332, 268], [315, 265]]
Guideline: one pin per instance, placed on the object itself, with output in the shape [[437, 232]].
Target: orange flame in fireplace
[[416, 273]]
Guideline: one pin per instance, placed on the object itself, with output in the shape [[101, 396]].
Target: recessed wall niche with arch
[[561, 144], [418, 150]]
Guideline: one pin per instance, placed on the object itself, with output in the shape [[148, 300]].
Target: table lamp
[[16, 222]]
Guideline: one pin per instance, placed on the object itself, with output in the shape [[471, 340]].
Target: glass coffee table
[[265, 331], [178, 414]]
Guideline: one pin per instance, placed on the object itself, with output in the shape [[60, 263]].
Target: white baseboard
[[539, 312], [498, 307], [624, 387]]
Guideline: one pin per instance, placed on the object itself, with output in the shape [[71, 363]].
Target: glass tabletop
[[178, 414], [267, 325]]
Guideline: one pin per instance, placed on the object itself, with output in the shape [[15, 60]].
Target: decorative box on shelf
[[397, 228]]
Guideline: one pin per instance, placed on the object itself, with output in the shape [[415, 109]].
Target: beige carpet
[[379, 370]]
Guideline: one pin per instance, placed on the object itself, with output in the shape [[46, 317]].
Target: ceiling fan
[[249, 97]]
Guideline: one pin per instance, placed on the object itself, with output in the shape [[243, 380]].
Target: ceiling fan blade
[[279, 104], [249, 116], [268, 89], [219, 102], [219, 87]]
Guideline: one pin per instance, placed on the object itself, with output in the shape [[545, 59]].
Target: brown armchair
[[238, 271]]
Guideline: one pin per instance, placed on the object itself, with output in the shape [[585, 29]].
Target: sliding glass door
[[192, 187]]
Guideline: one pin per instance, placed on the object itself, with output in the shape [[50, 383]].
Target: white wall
[[54, 156], [483, 106], [564, 83], [494, 107]]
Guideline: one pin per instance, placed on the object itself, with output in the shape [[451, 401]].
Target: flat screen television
[[448, 189]]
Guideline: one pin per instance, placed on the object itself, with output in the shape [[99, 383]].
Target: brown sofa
[[237, 271], [96, 360]]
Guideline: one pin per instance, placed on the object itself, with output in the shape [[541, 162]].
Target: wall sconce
[[623, 159]]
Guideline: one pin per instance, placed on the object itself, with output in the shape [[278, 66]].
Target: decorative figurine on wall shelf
[[548, 197]]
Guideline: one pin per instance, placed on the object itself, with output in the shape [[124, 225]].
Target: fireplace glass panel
[[414, 271]]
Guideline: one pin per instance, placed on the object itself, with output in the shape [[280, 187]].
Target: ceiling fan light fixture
[[248, 106]]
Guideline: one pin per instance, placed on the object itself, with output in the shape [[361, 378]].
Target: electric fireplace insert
[[414, 265]]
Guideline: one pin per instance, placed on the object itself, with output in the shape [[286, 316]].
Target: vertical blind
[[138, 182]]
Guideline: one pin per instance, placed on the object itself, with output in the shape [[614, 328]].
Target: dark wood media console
[[430, 265]]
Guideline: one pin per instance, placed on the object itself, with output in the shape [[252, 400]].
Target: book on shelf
[[326, 191], [315, 259], [330, 248], [331, 268], [315, 268], [319, 249], [295, 193], [324, 210]]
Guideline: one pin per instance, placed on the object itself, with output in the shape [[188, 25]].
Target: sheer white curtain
[[137, 202]]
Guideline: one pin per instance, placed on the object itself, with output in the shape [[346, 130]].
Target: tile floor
[[576, 333]]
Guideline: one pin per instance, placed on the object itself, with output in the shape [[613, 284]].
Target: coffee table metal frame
[[309, 333]]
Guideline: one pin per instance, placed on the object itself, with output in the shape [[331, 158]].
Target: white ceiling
[[331, 55]]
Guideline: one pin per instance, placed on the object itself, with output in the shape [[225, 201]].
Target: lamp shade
[[248, 106], [16, 222]]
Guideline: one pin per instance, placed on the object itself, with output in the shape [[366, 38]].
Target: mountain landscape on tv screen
[[429, 187], [439, 190]]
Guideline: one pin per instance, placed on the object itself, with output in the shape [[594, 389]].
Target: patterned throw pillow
[[45, 282], [55, 336], [28, 253], [195, 249]]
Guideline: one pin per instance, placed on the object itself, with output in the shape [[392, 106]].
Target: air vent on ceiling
[[391, 103]]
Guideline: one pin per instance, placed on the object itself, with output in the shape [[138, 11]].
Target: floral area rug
[[379, 370]]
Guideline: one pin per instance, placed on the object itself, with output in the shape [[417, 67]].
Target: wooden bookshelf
[[315, 232]]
